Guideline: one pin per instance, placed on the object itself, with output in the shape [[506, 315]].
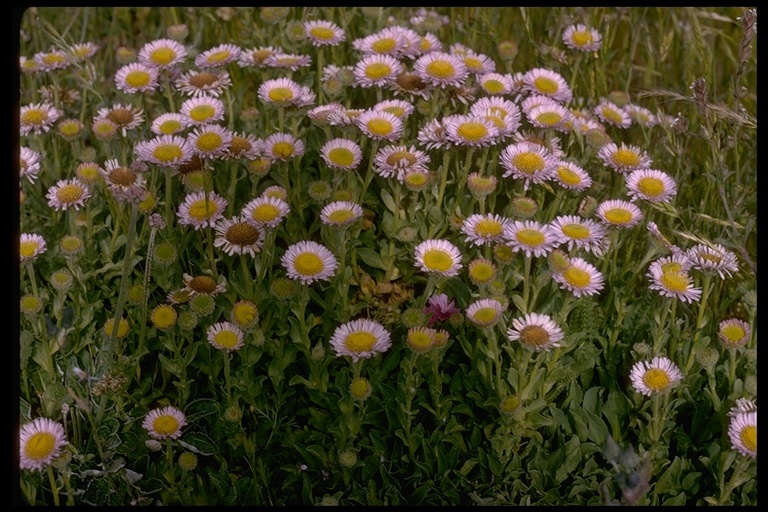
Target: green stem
[[54, 487], [699, 321], [526, 283], [369, 172], [227, 355], [31, 274]]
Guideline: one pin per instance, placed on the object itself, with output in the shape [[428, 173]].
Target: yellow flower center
[[576, 231], [472, 131], [122, 328], [243, 314], [265, 212], [582, 38], [380, 127], [672, 266], [395, 111], [416, 179], [618, 216], [202, 79], [322, 33], [28, 249], [625, 158], [137, 78], [675, 281], [360, 387], [40, 445], [485, 316], [239, 145], [488, 228], [209, 141], [308, 264], [34, 116], [384, 45], [342, 157], [549, 118], [568, 176], [162, 56], [493, 86], [202, 113], [733, 333], [360, 341], [612, 115], [651, 187], [420, 340], [510, 403], [88, 174], [534, 335], [440, 69], [104, 128], [481, 272], [70, 193], [748, 436], [226, 339], [167, 152], [52, 59], [473, 63], [656, 379], [340, 216], [69, 129], [530, 237], [577, 277], [545, 85], [163, 317], [283, 149], [242, 234], [377, 70], [438, 260], [280, 94], [528, 163], [202, 284], [218, 57], [165, 425], [203, 209]]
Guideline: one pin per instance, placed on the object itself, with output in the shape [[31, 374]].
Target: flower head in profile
[[29, 163], [713, 258], [40, 442], [742, 431], [323, 33], [125, 117], [580, 278], [37, 118], [162, 53], [655, 376], [440, 257], [225, 336], [342, 154], [164, 423], [733, 333], [485, 312], [535, 332], [440, 308], [582, 38], [31, 245], [360, 339], [619, 213], [571, 176], [340, 213], [610, 113], [309, 261], [624, 157], [547, 83], [208, 82], [201, 209], [218, 56], [202, 285]]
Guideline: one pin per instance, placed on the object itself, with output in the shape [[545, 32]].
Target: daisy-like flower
[[397, 160], [54, 59], [163, 317], [474, 131], [245, 145], [420, 339], [104, 129], [162, 53], [549, 143], [275, 191], [218, 56], [579, 233], [292, 61], [202, 285], [180, 296], [549, 115], [571, 176], [225, 336], [208, 82], [377, 70], [440, 308], [640, 115], [165, 151], [485, 229], [440, 69], [535, 331], [164, 423], [547, 83], [319, 115], [527, 161], [40, 442], [244, 314], [672, 280], [380, 125], [123, 182], [31, 245], [37, 118], [83, 51], [580, 278], [29, 163], [743, 405], [388, 41], [283, 147], [323, 33], [733, 333], [265, 211], [360, 339], [210, 141], [68, 193], [477, 63], [238, 236], [256, 57], [742, 430], [485, 312], [280, 91], [341, 154], [624, 158], [440, 257], [400, 108], [497, 105], [619, 213], [481, 186], [481, 271], [429, 42], [584, 125], [433, 135], [340, 213], [309, 261], [126, 117], [530, 237], [495, 84], [202, 109], [582, 38], [655, 376], [609, 112], [714, 258], [411, 85], [651, 185], [201, 209], [136, 77]]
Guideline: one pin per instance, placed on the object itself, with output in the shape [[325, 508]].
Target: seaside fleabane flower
[[279, 91], [495, 84], [341, 154], [360, 339], [340, 213], [640, 115], [581, 37], [578, 233], [440, 69], [202, 109], [265, 211], [29, 163], [380, 125], [531, 237], [547, 83], [68, 193], [580, 278], [218, 56], [651, 185], [136, 77], [713, 258], [535, 332], [164, 423], [619, 213], [387, 41], [238, 236], [609, 112], [549, 115], [477, 63], [225, 336], [169, 151], [309, 261], [420, 339], [484, 229], [292, 61], [397, 160], [733, 333], [474, 131], [527, 161], [210, 141], [126, 117], [40, 442], [201, 209], [245, 145], [31, 245], [202, 285], [485, 312], [37, 118], [742, 431], [323, 33], [283, 147], [571, 176], [671, 280], [655, 376], [440, 257], [207, 82], [400, 108], [256, 57], [162, 53], [377, 70], [624, 158]]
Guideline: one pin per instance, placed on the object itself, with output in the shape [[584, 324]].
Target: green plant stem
[[169, 460], [31, 274], [54, 487], [699, 321], [369, 171], [228, 383], [738, 477], [68, 486], [526, 283], [145, 287]]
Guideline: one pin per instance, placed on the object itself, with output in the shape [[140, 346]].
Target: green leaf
[[615, 409], [371, 258], [571, 460], [670, 480], [389, 201], [199, 442]]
